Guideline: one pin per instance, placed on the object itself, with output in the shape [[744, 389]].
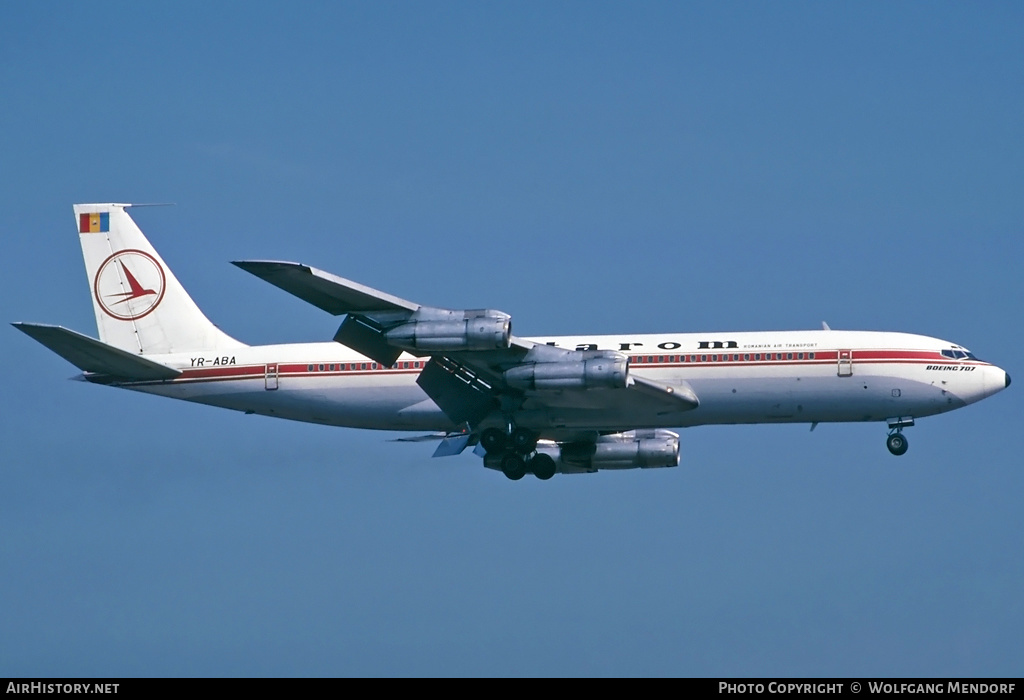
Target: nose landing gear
[[897, 442]]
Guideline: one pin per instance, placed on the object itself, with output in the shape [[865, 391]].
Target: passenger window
[[309, 368]]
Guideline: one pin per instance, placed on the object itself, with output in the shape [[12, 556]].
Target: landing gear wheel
[[523, 441], [897, 444], [493, 440], [542, 466], [513, 466]]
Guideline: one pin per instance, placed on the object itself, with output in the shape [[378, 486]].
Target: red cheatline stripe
[[897, 354], [231, 371], [860, 357]]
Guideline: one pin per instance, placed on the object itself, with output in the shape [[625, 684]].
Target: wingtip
[[249, 265], [26, 326]]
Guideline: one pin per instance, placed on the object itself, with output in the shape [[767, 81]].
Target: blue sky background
[[588, 168]]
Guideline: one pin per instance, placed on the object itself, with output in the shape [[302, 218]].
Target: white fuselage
[[752, 377]]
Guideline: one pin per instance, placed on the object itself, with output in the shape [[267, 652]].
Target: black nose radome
[[1007, 378]]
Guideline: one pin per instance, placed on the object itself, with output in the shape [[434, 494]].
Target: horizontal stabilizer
[[335, 295], [448, 443], [90, 355], [432, 437], [453, 445]]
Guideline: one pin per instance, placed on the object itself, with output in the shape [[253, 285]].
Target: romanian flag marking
[[94, 223]]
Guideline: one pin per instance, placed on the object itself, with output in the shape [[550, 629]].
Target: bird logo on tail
[[127, 295]]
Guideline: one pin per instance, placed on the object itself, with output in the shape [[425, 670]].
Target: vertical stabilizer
[[140, 306]]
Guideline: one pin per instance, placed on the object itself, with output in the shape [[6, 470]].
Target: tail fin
[[140, 306]]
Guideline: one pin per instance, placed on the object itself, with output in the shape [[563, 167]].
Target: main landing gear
[[897, 442], [518, 456]]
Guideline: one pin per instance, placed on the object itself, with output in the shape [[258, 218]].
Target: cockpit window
[[949, 354], [959, 355]]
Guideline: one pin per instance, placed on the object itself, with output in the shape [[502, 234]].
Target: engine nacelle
[[644, 449], [606, 371], [453, 331]]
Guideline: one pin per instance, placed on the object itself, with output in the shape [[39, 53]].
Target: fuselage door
[[270, 378], [845, 368]]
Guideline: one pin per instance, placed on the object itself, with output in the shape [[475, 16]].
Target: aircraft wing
[[477, 368], [335, 295]]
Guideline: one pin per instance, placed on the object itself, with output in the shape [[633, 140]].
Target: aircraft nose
[[996, 380]]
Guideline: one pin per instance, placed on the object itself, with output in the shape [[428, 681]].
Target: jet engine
[[439, 330], [600, 370], [646, 449]]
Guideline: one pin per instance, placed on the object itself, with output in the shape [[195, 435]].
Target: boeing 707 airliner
[[529, 405]]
